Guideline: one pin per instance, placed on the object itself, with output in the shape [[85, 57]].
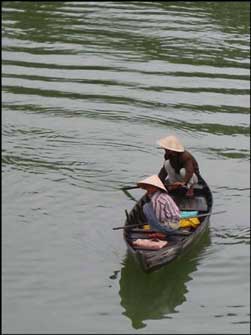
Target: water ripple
[[227, 236]]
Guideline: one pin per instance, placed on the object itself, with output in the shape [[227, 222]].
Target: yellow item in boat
[[191, 222], [183, 223]]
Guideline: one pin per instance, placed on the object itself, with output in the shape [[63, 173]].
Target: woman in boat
[[180, 166], [161, 211]]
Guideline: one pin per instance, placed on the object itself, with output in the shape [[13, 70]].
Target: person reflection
[[155, 295]]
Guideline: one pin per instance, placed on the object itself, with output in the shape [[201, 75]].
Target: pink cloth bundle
[[151, 244]]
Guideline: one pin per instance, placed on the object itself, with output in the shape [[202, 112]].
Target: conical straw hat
[[152, 180], [171, 143]]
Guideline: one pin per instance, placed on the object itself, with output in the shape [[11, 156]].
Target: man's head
[[152, 184], [172, 146]]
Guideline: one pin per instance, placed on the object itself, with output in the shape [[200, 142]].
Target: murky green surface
[[88, 88]]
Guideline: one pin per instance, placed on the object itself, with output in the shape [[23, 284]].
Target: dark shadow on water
[[156, 295]]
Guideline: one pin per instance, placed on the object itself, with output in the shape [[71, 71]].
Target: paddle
[[177, 232], [138, 225], [125, 188], [129, 195]]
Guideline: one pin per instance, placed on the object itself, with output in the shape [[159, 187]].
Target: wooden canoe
[[151, 260]]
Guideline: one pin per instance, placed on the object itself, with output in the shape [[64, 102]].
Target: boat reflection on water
[[156, 295]]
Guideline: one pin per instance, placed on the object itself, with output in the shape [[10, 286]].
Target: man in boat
[[180, 166], [161, 211]]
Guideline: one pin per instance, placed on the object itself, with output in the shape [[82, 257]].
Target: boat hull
[[151, 260]]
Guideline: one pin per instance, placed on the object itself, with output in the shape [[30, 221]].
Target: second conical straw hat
[[152, 180]]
